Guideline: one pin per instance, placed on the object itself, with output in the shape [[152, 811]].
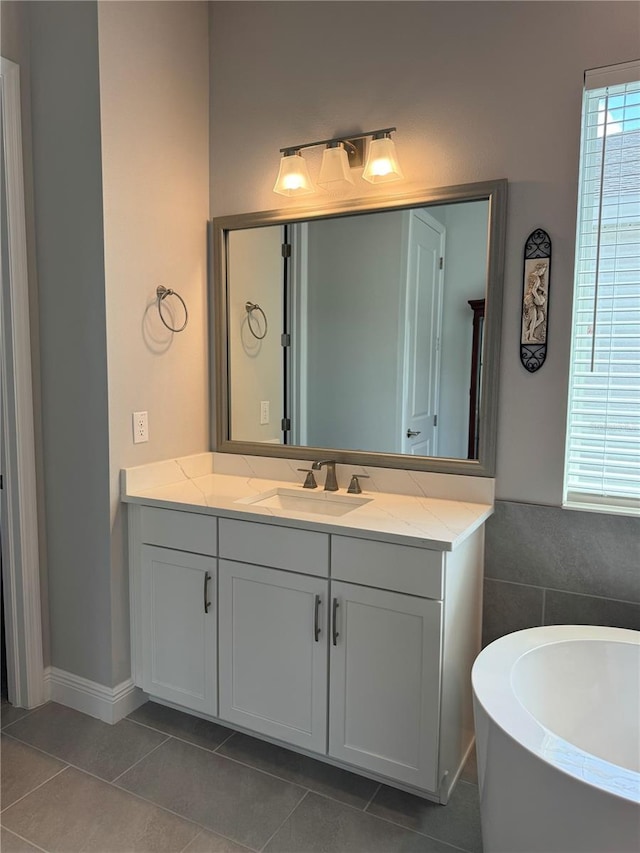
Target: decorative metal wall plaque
[[535, 301]]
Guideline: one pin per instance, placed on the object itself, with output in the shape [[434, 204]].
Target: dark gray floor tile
[[107, 751], [10, 843], [457, 823], [239, 802], [185, 726], [567, 608], [509, 607], [9, 714], [301, 770], [209, 842], [77, 812], [23, 769], [320, 825]]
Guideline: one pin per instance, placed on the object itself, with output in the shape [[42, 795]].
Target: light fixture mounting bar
[[290, 149]]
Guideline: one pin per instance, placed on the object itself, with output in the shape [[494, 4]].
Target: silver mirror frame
[[495, 192]]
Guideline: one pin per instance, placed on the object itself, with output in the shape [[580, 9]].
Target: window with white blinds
[[603, 433]]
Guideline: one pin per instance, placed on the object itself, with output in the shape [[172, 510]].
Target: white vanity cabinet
[[385, 683], [343, 646], [274, 588], [386, 658], [178, 623], [174, 606], [273, 653]]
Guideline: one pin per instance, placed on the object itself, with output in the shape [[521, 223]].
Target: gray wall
[[15, 45], [119, 105], [69, 229], [478, 91]]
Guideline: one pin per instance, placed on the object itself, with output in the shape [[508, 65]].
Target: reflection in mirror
[[379, 331], [370, 330]]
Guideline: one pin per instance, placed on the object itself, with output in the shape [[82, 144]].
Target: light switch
[[264, 411]]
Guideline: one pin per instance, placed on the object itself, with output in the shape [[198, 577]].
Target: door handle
[[207, 604], [316, 622], [335, 621], [412, 432]]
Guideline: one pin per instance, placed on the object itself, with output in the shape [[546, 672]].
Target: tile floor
[[161, 780]]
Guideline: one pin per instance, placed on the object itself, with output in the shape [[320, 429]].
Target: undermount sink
[[294, 500]]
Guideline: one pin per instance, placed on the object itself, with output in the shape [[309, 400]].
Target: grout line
[[372, 797], [303, 785], [558, 589], [220, 745], [182, 739], [515, 583], [201, 826], [26, 840], [27, 713], [69, 764], [195, 838], [273, 834], [135, 763], [6, 808], [394, 823], [224, 757]]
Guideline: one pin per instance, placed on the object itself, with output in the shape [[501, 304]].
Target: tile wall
[[547, 566]]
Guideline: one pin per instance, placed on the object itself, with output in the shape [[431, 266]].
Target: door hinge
[[435, 420], [285, 424], [1, 482], [441, 263], [286, 250], [285, 340]]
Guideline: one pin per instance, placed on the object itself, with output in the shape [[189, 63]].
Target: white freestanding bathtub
[[557, 715]]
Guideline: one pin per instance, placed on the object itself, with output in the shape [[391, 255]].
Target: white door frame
[[406, 320], [21, 563]]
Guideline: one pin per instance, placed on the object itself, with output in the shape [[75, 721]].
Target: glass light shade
[[293, 177], [335, 171], [382, 162]]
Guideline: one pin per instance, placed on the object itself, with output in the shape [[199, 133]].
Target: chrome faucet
[[330, 484]]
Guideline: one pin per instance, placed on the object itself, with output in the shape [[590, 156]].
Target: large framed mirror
[[367, 331]]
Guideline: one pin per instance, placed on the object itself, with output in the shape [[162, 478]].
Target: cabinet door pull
[[316, 622], [335, 621], [207, 604]]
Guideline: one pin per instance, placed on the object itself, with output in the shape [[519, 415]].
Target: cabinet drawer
[[183, 531], [400, 568], [279, 547]]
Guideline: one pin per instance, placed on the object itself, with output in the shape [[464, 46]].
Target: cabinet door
[[178, 632], [273, 653], [385, 683]]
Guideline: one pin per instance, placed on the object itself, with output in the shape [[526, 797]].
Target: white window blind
[[603, 433]]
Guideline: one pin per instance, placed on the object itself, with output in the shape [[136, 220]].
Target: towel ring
[[162, 293], [250, 307]]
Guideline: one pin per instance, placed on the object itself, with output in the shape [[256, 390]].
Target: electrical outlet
[[140, 427], [264, 411]]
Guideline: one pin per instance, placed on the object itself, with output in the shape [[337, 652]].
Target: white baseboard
[[109, 704]]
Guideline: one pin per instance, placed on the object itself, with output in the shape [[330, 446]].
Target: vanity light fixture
[[341, 154], [293, 177], [382, 161], [335, 171]]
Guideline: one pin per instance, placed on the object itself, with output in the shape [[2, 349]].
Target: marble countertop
[[194, 484]]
